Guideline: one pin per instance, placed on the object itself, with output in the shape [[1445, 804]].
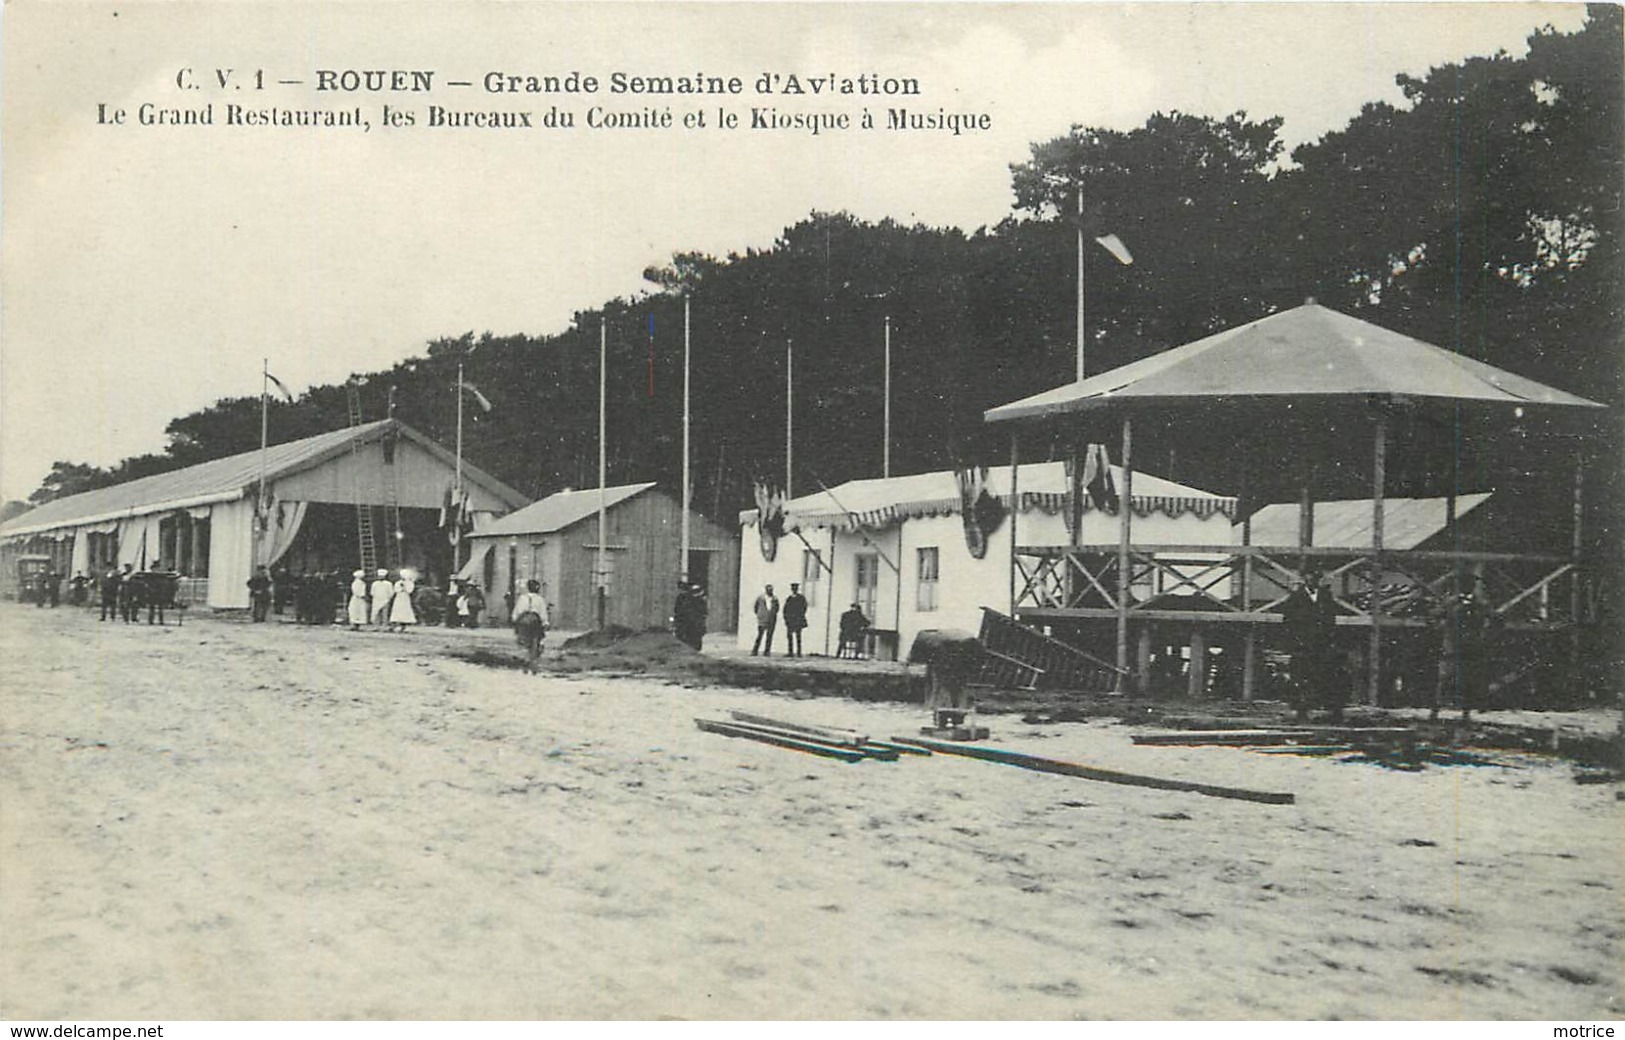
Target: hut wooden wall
[[644, 539], [421, 480]]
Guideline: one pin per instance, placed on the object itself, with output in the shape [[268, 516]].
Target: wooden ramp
[[1019, 657]]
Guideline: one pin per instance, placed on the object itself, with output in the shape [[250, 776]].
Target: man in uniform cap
[[795, 619]]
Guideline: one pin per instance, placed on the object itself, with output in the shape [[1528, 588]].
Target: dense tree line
[[1482, 215]]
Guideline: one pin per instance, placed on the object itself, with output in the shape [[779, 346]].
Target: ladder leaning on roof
[[392, 498], [363, 511]]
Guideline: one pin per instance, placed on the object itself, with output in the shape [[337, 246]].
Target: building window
[[925, 591], [811, 568], [867, 566]]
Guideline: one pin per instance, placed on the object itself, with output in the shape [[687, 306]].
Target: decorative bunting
[[980, 511], [769, 519]]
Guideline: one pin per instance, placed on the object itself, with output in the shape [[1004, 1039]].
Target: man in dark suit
[[1309, 617], [110, 588], [795, 619]]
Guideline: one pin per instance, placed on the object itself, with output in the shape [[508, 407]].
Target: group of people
[[768, 610], [385, 603], [318, 597], [465, 602], [393, 600], [125, 591]]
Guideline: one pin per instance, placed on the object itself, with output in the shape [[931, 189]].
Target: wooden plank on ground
[[727, 729], [903, 748], [1109, 776], [825, 734], [884, 754], [1251, 737], [1224, 736]]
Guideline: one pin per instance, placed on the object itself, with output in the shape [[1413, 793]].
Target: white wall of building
[[964, 585], [231, 553]]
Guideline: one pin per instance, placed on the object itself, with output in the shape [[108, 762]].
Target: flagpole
[[688, 487], [457, 496], [885, 425], [265, 427], [1080, 283], [789, 414], [603, 524]]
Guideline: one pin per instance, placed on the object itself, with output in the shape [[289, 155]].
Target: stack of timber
[[850, 745], [847, 745], [1019, 657]]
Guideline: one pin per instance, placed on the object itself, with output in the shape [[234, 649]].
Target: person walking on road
[[530, 621]]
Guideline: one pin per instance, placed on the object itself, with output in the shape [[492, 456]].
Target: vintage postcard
[[810, 511]]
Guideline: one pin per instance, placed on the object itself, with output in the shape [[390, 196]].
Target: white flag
[[1114, 245], [278, 384], [470, 387]]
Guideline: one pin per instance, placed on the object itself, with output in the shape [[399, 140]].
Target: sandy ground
[[236, 821]]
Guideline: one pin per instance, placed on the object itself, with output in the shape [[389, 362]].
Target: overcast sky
[[146, 270]]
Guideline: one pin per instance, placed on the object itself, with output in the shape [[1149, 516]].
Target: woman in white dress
[[401, 612], [358, 602]]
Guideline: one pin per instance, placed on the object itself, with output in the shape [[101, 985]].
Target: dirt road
[[237, 821]]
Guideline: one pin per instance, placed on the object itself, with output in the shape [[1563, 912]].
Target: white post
[[789, 414], [603, 525], [259, 503], [1124, 533], [1379, 468], [688, 485], [885, 426], [457, 490], [1015, 511], [1080, 283]]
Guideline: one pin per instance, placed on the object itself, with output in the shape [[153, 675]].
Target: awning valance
[[1049, 502], [475, 567]]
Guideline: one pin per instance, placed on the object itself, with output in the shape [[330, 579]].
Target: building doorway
[[868, 584]]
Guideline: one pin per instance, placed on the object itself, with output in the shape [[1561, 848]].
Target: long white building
[[199, 521], [898, 548]]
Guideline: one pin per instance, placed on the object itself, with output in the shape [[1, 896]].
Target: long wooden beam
[[1252, 737], [810, 747], [868, 749], [825, 734], [1109, 776]]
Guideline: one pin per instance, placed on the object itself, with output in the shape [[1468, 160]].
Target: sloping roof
[[1346, 524], [223, 480], [880, 500], [558, 511], [1306, 352]]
